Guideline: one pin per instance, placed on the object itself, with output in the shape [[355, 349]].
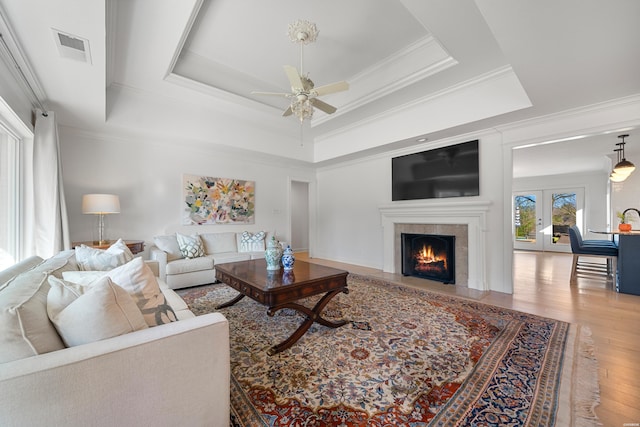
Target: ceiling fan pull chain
[[301, 135]]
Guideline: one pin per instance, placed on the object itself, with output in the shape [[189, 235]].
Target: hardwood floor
[[541, 287]]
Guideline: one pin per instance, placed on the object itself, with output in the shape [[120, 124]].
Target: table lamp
[[101, 205]]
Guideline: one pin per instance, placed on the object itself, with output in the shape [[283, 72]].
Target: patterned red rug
[[407, 357]]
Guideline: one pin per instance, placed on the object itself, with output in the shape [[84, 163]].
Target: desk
[[135, 246], [628, 275]]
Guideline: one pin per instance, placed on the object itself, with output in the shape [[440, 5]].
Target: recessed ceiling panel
[[240, 47]]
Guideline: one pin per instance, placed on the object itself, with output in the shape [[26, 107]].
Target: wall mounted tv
[[452, 171]]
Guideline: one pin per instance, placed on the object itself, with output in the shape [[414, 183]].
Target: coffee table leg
[[313, 315], [230, 302]]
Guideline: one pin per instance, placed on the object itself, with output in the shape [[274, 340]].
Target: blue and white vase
[[273, 254], [288, 259]]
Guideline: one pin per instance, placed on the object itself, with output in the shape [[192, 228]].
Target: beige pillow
[[91, 259], [219, 242], [169, 244], [83, 277], [25, 329], [139, 281], [120, 245], [190, 246], [103, 311], [58, 264], [61, 294]]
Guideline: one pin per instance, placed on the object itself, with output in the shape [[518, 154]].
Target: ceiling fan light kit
[[304, 95]]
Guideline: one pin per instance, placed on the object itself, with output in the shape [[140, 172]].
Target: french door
[[541, 218]]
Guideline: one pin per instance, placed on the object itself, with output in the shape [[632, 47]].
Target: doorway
[[541, 218]]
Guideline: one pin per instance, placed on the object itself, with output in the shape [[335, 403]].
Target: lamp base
[[101, 242]]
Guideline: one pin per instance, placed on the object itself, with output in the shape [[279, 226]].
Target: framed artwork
[[209, 200]]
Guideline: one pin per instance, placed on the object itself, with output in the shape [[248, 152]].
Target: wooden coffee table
[[280, 289]]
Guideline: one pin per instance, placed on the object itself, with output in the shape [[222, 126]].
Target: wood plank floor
[[541, 287]]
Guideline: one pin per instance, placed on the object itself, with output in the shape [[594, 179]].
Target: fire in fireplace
[[429, 256]]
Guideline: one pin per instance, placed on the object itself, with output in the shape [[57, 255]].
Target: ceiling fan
[[304, 95]]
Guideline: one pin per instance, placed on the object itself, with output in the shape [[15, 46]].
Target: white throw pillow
[[83, 277], [103, 311], [61, 294], [137, 278], [90, 259], [25, 329], [120, 245], [168, 244], [248, 242], [190, 246]]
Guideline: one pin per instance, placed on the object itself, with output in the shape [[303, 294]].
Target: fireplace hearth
[[429, 256]]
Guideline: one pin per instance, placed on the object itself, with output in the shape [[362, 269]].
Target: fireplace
[[467, 220], [429, 256]]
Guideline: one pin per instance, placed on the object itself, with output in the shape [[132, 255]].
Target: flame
[[427, 256]]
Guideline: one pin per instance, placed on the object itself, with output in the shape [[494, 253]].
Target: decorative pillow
[[190, 246], [215, 243], [251, 242], [83, 277], [120, 245], [25, 329], [58, 264], [90, 259], [137, 278], [169, 244], [61, 294], [105, 310]]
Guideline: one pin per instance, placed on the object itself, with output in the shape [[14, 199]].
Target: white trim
[[471, 213]]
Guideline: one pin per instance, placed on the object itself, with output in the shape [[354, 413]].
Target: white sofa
[[180, 272], [176, 373]]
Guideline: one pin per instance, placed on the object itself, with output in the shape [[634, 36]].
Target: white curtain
[[50, 233]]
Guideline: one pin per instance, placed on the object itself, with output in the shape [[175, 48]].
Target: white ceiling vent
[[72, 47]]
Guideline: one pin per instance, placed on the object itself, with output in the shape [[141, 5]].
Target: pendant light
[[624, 166]]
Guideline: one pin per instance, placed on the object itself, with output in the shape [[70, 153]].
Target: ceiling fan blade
[[287, 112], [323, 106], [294, 78], [330, 88], [255, 92]]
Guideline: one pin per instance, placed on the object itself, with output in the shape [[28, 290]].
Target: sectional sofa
[[178, 270], [174, 373]]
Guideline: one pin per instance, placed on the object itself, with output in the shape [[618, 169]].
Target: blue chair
[[592, 248]]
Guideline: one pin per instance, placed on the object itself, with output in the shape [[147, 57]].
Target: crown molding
[[493, 75], [24, 76]]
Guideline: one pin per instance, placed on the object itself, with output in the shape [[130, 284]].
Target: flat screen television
[[452, 171]]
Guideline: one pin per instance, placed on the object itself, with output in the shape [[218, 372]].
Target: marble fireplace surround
[[464, 219]]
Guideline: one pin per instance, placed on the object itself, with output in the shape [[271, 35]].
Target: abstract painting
[[208, 200]]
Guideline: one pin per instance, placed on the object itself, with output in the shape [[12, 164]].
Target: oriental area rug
[[407, 357]]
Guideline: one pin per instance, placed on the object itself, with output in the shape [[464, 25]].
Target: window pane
[[563, 216], [525, 218]]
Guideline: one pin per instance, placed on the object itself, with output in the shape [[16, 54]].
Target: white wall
[[349, 195], [625, 195], [299, 216], [147, 175]]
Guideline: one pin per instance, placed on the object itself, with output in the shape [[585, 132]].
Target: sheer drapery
[[50, 232]]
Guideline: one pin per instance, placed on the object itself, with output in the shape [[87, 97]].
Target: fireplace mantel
[[470, 213]]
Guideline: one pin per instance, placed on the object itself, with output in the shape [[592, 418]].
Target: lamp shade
[[100, 204], [624, 167]]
